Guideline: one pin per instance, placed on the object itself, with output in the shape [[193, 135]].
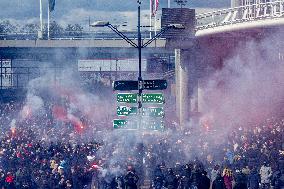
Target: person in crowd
[[228, 177], [265, 175], [204, 181], [278, 179], [215, 171], [131, 179], [240, 180], [171, 181], [253, 179], [159, 178], [218, 183], [196, 176], [185, 179], [9, 181]]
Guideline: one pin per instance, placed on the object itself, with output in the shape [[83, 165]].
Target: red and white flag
[[154, 6]]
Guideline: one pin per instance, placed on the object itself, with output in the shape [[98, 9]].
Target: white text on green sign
[[124, 124], [155, 125], [126, 111], [153, 111], [153, 98], [127, 97]]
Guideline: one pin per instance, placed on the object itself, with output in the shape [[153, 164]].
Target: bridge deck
[[102, 43]]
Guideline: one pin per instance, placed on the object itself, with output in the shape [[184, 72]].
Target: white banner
[[110, 65]]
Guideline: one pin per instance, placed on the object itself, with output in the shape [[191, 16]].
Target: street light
[[139, 44], [99, 24]]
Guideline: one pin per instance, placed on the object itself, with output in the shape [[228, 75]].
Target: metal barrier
[[268, 10]]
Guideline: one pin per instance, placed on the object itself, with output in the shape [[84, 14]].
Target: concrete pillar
[[183, 105], [186, 86]]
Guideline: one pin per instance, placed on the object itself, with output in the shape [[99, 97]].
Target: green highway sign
[[153, 125], [153, 98], [153, 111], [127, 97], [126, 111], [119, 123], [125, 124]]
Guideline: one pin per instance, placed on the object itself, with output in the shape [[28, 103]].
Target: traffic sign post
[[139, 98], [140, 84]]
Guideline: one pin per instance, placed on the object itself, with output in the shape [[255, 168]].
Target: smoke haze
[[248, 89]]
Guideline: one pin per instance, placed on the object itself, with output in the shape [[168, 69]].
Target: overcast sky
[[78, 11]]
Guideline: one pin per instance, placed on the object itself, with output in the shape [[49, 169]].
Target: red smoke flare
[[59, 113]]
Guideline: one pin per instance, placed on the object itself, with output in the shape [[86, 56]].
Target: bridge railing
[[240, 14]]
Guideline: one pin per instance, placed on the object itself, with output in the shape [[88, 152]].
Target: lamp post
[[139, 44]]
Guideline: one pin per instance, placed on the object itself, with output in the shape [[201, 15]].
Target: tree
[[55, 30], [75, 30], [7, 27], [181, 2], [30, 28]]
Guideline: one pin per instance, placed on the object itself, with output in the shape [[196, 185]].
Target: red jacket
[[9, 179]]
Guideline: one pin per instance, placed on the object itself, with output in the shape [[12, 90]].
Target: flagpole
[[150, 15], [155, 19], [169, 3], [48, 20], [40, 17]]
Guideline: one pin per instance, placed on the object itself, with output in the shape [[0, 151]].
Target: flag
[[154, 6], [51, 4], [157, 5]]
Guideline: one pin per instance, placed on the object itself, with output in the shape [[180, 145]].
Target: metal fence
[[259, 11]]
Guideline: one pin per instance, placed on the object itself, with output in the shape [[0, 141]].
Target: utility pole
[[140, 84]]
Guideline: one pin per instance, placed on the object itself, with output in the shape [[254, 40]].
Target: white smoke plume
[[248, 89]]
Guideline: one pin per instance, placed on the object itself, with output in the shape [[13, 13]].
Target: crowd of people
[[47, 152]]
